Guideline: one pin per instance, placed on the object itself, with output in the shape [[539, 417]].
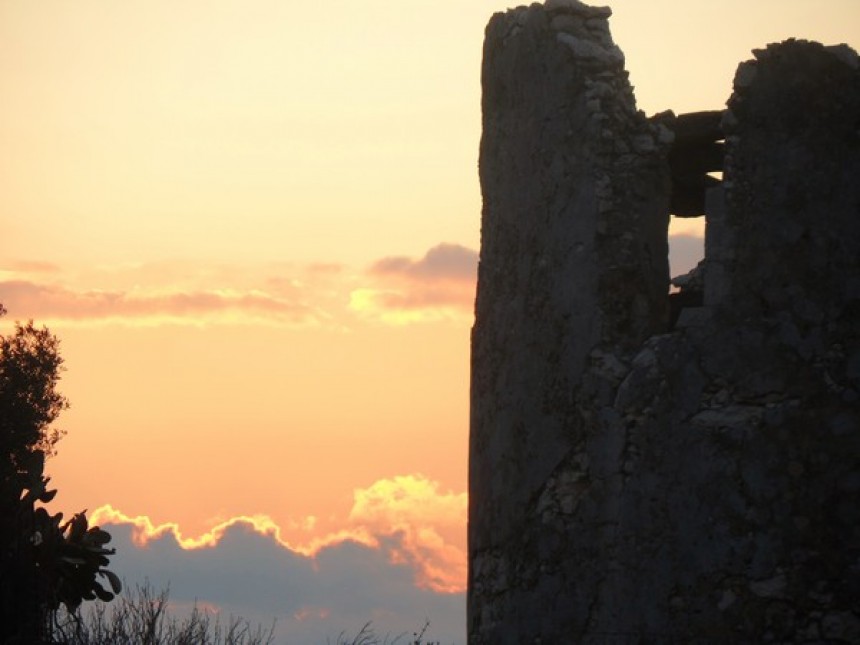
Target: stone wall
[[631, 479]]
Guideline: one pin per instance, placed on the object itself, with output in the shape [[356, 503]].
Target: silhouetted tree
[[43, 561], [30, 365]]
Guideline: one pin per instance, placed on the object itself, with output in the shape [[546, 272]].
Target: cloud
[[144, 530], [413, 508], [438, 286], [450, 262], [48, 302], [392, 563], [407, 517], [311, 599]]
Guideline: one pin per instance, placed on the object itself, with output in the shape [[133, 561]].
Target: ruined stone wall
[[628, 480]]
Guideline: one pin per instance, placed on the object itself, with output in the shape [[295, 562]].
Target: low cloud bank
[[390, 564], [52, 302]]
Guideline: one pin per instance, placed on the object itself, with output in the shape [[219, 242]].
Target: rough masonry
[[641, 475]]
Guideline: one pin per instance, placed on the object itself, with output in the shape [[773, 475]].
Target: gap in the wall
[[686, 244]]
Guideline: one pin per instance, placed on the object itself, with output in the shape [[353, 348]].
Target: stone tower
[[641, 476]]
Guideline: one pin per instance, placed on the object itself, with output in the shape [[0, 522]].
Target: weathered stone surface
[[794, 150], [554, 191], [578, 8], [632, 482]]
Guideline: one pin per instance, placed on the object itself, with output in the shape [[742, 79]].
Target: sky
[[254, 226]]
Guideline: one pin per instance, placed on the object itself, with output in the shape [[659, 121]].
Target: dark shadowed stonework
[[634, 480]]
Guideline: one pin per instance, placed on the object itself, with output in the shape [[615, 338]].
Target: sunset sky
[[254, 225]]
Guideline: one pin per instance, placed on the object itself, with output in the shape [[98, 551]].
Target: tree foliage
[[30, 365], [44, 562]]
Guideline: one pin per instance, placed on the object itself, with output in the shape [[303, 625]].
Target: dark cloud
[[311, 598], [437, 286], [442, 262]]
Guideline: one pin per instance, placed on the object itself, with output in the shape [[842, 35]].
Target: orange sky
[[254, 226]]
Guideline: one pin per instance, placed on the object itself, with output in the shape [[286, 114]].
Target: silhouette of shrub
[[367, 636], [142, 617]]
